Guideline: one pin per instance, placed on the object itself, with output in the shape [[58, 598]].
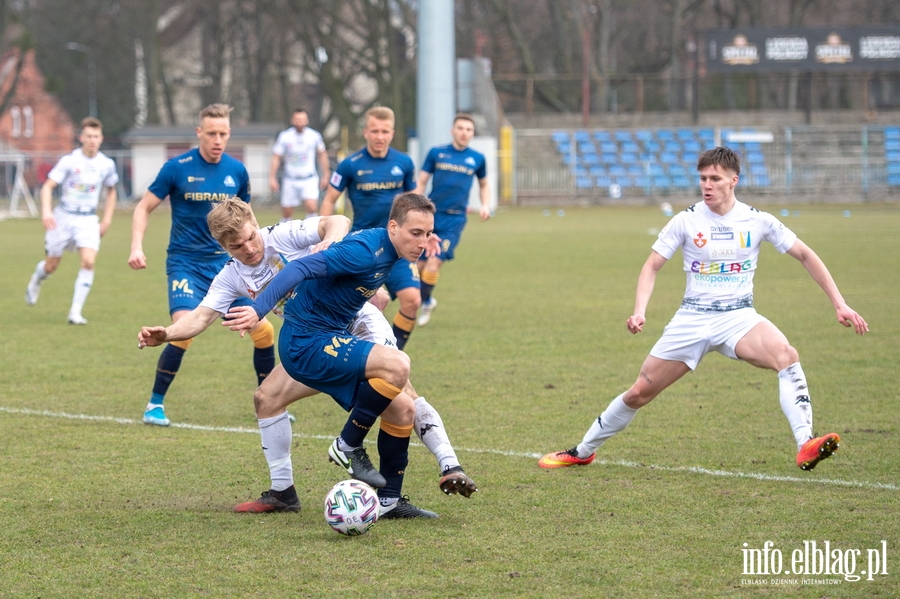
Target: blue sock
[[263, 362], [368, 406], [394, 453], [166, 369]]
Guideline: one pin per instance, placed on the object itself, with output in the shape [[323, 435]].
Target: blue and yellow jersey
[[372, 183], [356, 267], [192, 185], [452, 171]]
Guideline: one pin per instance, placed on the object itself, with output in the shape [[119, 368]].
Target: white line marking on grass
[[517, 454]]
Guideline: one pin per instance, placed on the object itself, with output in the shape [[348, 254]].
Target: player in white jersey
[[298, 149], [73, 225], [257, 256], [719, 239]]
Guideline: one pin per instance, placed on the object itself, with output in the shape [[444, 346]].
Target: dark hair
[[90, 122], [721, 156], [299, 109], [405, 203], [464, 116]]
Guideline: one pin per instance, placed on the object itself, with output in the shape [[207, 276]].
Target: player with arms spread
[[720, 240], [372, 177], [73, 224], [193, 181], [452, 167], [318, 350]]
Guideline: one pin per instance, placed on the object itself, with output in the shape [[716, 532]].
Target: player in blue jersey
[[452, 167], [317, 349], [372, 177], [193, 181]]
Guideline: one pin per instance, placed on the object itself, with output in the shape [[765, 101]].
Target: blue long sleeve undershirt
[[313, 266]]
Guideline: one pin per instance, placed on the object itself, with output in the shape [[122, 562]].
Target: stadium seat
[[676, 170], [630, 147], [624, 181], [580, 171], [603, 181], [635, 170], [602, 135], [693, 146], [893, 180], [607, 147], [891, 144], [893, 168], [892, 155], [665, 135], [668, 158], [587, 147], [616, 170], [583, 136], [623, 136], [655, 169], [643, 135], [892, 133], [560, 137], [653, 147], [609, 158], [597, 171], [755, 157], [690, 159], [682, 182], [762, 181], [584, 182], [590, 159], [628, 158], [671, 147], [685, 134], [758, 169], [662, 182]]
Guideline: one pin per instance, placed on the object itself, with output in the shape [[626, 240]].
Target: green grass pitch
[[527, 346]]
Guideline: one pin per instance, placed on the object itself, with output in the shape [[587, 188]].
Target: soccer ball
[[351, 507]]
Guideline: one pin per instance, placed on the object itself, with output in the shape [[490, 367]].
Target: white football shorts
[[294, 191], [72, 232], [690, 335], [371, 325]]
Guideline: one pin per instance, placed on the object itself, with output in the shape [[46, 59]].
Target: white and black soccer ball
[[351, 507]]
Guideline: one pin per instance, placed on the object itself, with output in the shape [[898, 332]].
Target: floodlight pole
[[92, 75]]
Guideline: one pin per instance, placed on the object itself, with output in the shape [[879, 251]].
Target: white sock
[[83, 283], [40, 272], [614, 419], [388, 501], [795, 404], [430, 430], [276, 444]]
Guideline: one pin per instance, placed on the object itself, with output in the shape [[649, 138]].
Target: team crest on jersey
[[396, 171], [470, 161], [336, 179], [699, 240], [229, 182]]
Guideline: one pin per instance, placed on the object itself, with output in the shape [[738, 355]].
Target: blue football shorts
[[189, 281]]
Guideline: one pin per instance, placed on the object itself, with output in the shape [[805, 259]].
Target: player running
[[73, 224], [719, 239]]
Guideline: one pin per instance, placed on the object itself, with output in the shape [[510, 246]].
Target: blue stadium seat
[[893, 168], [682, 182], [590, 159], [652, 146], [630, 147], [758, 169], [642, 181], [580, 171], [582, 136], [665, 134], [635, 170], [693, 146], [690, 159], [609, 147], [891, 144], [623, 136], [628, 158], [662, 181], [644, 135], [570, 159], [892, 155], [685, 134], [762, 181], [603, 181], [624, 181], [668, 158], [755, 157], [608, 158], [893, 180], [678, 170], [560, 136], [892, 132], [655, 169], [616, 170], [587, 147], [584, 182], [597, 171], [602, 135]]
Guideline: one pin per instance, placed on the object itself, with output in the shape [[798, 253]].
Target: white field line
[[517, 454]]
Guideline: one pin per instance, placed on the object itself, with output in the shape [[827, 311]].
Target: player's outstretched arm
[[187, 327], [646, 283], [819, 272], [139, 220]]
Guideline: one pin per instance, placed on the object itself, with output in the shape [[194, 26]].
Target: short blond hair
[[381, 113], [228, 218], [216, 111]]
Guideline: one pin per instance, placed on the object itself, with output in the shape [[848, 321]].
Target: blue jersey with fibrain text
[[357, 266], [452, 172], [193, 184], [372, 183]]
